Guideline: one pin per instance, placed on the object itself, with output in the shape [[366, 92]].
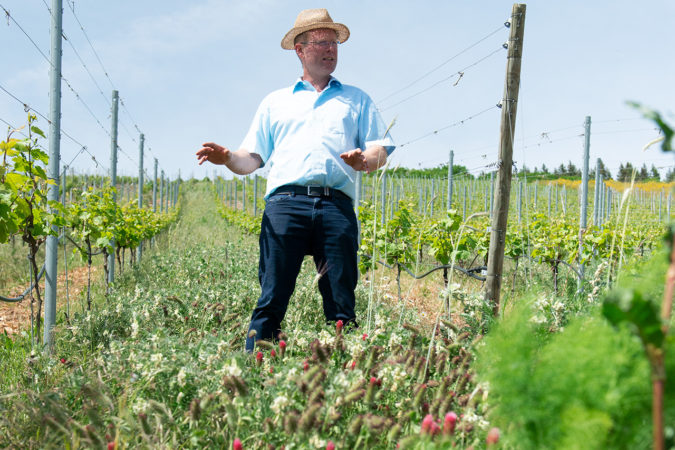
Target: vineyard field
[[159, 361]]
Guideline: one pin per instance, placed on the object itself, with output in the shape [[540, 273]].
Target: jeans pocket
[[276, 198]]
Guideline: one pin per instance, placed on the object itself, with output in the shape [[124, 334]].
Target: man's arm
[[240, 162], [369, 160]]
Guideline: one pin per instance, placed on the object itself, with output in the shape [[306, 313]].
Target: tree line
[[566, 171]]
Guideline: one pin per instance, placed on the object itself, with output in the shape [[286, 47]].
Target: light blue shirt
[[300, 133]]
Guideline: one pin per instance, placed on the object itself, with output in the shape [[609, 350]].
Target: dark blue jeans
[[294, 226]]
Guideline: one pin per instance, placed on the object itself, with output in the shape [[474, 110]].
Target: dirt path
[[15, 317]]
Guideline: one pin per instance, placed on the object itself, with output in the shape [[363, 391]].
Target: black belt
[[311, 191]]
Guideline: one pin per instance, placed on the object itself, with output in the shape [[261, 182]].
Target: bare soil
[[15, 317]]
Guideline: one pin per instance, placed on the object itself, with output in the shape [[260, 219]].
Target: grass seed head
[[309, 417], [355, 426], [195, 410], [145, 424], [394, 433], [419, 395], [291, 422], [263, 344]]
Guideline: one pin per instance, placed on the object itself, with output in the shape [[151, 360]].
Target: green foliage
[[585, 387], [445, 240], [655, 116], [97, 220], [24, 208], [629, 306]]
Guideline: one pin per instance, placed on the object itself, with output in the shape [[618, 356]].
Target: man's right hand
[[214, 154]]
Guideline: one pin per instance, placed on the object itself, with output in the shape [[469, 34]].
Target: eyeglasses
[[323, 44]]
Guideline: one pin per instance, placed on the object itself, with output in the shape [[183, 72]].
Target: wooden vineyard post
[[508, 122]]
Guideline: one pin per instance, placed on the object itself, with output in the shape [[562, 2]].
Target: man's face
[[318, 58]]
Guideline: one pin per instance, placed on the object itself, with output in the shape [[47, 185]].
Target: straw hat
[[312, 19]]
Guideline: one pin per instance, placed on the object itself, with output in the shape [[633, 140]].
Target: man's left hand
[[356, 159]]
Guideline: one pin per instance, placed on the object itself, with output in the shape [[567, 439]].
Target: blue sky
[[191, 72]]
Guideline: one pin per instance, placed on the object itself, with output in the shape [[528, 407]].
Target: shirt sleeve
[[372, 128], [259, 139]]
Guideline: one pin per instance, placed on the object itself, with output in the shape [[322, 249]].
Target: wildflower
[[492, 436], [259, 358], [305, 366], [338, 327], [156, 358], [364, 337], [236, 445], [181, 377], [273, 353], [449, 423], [282, 348], [330, 446], [279, 404], [427, 424]]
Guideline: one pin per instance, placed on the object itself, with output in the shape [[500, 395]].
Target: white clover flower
[[380, 321], [118, 308], [471, 417], [140, 405], [134, 328], [210, 360], [181, 377], [156, 358], [232, 369], [179, 397], [394, 376], [301, 342], [326, 338], [317, 442], [538, 319], [279, 404], [341, 380], [394, 340]]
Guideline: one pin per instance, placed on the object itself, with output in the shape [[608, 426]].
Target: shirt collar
[[300, 84]]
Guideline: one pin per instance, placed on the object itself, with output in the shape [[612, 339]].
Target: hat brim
[[288, 42]]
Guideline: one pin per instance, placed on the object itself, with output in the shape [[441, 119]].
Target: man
[[314, 136]]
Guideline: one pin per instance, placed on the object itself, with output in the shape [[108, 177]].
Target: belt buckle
[[314, 191]]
